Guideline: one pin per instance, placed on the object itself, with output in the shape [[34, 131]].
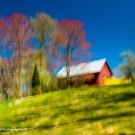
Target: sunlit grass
[[81, 111]]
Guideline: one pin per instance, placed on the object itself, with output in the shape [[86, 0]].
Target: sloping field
[[81, 111]]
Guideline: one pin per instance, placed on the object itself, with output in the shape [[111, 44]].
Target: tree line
[[32, 50]]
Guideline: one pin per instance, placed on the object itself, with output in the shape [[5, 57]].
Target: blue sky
[[107, 22]]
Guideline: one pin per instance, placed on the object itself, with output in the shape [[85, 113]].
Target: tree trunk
[[68, 65], [5, 93], [68, 77]]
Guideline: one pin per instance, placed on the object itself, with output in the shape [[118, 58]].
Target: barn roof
[[83, 68]]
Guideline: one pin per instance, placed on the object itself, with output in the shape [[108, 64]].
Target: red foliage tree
[[70, 44], [15, 34]]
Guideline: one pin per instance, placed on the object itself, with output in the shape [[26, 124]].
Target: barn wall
[[83, 77], [97, 82], [77, 80], [104, 72]]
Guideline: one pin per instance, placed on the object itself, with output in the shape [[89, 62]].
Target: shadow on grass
[[94, 119], [122, 97], [89, 119]]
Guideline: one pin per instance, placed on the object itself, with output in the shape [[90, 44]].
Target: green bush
[[48, 83], [36, 90]]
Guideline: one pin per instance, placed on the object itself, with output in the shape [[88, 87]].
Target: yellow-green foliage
[[115, 81], [48, 83]]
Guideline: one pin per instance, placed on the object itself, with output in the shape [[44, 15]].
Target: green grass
[[81, 111]]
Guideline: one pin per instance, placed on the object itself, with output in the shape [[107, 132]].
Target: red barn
[[90, 73]]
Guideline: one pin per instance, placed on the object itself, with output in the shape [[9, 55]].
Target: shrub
[[115, 81], [48, 82]]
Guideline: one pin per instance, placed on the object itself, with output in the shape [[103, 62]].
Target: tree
[[4, 79], [5, 50], [20, 36], [36, 88], [15, 34], [43, 26], [31, 58], [128, 65], [70, 44]]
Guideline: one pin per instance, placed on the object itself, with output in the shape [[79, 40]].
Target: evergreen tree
[[36, 87]]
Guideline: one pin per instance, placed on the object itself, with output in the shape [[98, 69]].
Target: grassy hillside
[[82, 111]]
